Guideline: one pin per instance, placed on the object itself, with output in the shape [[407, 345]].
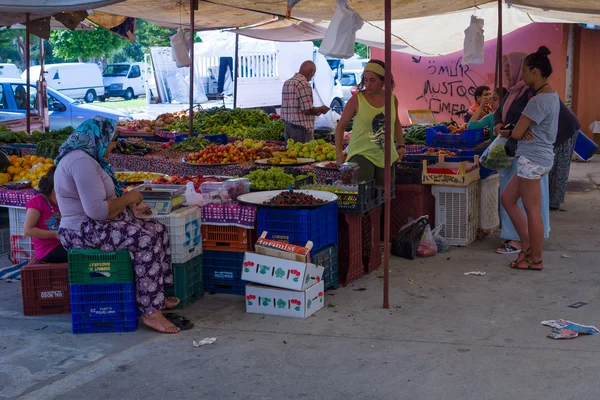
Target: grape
[[271, 179]]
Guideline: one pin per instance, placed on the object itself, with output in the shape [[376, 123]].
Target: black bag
[[405, 243], [511, 144]]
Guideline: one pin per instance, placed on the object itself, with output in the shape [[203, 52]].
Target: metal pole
[[389, 95], [193, 6], [499, 44], [570, 62], [235, 68], [28, 62]]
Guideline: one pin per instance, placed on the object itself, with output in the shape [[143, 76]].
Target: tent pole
[[499, 44], [235, 68], [570, 61], [28, 62], [193, 6], [389, 95]]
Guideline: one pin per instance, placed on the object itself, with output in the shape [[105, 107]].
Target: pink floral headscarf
[[516, 86]]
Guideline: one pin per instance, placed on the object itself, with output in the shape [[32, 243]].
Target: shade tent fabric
[[51, 6]]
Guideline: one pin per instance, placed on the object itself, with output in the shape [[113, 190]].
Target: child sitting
[[42, 222]]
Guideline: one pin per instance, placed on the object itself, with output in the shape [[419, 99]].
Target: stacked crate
[[45, 288], [21, 246], [102, 291]]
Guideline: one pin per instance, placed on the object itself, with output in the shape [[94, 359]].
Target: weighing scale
[[163, 199]]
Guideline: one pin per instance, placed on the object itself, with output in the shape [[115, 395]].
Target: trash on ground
[[362, 289], [577, 305], [563, 329], [478, 273], [565, 256], [411, 281], [205, 341]]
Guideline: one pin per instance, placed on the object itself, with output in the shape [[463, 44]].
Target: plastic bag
[[441, 243], [340, 36], [180, 49], [474, 42], [495, 157], [192, 198], [405, 242], [427, 246]]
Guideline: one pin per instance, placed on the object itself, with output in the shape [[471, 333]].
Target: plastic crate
[[489, 214], [21, 249], [90, 266], [371, 239], [308, 180], [184, 227], [440, 136], [16, 217], [457, 211], [409, 172], [104, 307], [367, 198], [45, 288], [220, 138], [469, 155], [585, 148], [187, 282], [226, 238], [299, 226], [223, 272], [328, 259], [411, 202], [350, 263]]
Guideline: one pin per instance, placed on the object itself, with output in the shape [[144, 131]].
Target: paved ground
[[446, 336]]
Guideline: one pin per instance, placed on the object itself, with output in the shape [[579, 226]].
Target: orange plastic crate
[[227, 238]]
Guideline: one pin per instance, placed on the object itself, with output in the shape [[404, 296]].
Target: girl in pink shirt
[[42, 222]]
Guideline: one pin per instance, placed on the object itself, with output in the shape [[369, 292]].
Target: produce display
[[274, 130], [131, 148], [328, 165], [225, 192], [190, 143], [292, 198], [416, 134], [433, 152], [283, 158], [248, 150], [8, 136], [456, 130], [137, 176], [49, 143], [197, 180], [316, 149], [137, 125], [337, 189], [273, 179], [28, 168]]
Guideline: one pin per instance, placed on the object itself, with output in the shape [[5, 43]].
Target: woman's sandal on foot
[[523, 254], [528, 264], [508, 249]]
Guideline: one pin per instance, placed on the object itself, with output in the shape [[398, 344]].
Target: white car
[[63, 111], [123, 80], [350, 80], [76, 80]]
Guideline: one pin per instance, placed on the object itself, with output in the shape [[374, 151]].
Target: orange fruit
[[18, 170], [11, 170]]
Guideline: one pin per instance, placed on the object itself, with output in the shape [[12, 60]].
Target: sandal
[[181, 322], [508, 249], [530, 265], [523, 254]]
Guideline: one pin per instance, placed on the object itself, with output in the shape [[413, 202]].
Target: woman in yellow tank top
[[367, 140]]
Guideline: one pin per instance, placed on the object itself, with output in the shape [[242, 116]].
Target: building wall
[[444, 85], [586, 85]]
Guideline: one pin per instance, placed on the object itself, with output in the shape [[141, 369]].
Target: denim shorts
[[527, 169]]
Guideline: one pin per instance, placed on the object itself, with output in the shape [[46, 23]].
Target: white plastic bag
[[474, 42], [441, 243], [427, 246], [180, 50], [192, 198], [340, 36], [495, 157]]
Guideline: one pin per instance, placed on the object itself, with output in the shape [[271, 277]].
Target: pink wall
[[443, 85]]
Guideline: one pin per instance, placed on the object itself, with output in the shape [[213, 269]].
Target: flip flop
[[183, 323], [508, 249], [530, 265]]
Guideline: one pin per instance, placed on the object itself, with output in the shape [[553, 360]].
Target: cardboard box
[[279, 272], [283, 252], [285, 303]]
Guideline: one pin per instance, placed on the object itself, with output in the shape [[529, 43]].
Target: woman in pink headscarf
[[509, 113]]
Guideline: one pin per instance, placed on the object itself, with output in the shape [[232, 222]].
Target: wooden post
[[193, 7], [387, 187], [28, 63], [235, 68]]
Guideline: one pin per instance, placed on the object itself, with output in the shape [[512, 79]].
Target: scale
[[163, 199]]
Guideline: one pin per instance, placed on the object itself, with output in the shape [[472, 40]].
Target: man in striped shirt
[[297, 110]]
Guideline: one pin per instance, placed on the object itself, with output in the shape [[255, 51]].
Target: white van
[[123, 80], [9, 71], [76, 80]]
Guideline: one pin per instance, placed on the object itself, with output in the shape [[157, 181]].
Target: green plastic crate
[[187, 282], [94, 266]]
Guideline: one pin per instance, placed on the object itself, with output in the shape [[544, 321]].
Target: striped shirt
[[297, 97]]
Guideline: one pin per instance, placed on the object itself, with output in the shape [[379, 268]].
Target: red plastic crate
[[45, 288], [21, 249], [350, 263], [371, 239], [412, 201], [227, 238]]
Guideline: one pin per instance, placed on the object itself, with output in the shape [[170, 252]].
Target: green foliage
[[87, 45], [362, 50]]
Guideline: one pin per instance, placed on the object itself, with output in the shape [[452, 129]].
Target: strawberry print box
[[280, 272], [284, 303]]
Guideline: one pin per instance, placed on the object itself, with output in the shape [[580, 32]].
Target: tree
[[361, 50], [94, 45], [149, 35]]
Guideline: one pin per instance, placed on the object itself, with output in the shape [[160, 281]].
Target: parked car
[[63, 111], [9, 71], [350, 80], [76, 80], [123, 80]]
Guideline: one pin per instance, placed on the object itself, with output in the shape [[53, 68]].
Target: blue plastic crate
[[328, 259], [468, 139], [299, 226], [103, 307], [223, 272], [220, 138], [585, 147]]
